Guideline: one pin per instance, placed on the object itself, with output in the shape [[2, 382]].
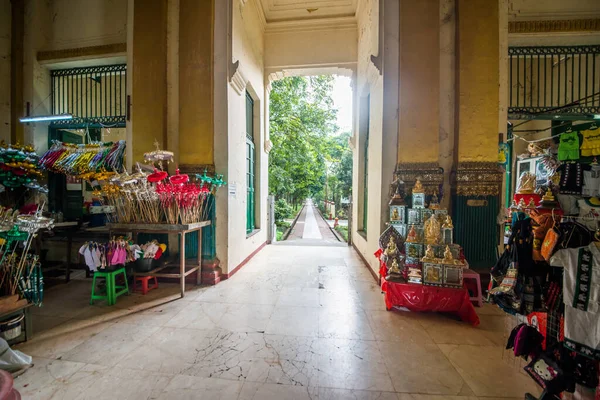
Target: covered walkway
[[311, 229], [297, 322]]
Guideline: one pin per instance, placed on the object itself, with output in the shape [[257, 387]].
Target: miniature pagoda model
[[428, 254]]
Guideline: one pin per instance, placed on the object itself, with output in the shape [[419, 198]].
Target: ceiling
[[289, 10]]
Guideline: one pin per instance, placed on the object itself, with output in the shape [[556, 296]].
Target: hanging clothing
[[581, 276], [582, 332], [581, 296], [591, 143], [591, 181], [568, 149], [589, 214], [571, 177]]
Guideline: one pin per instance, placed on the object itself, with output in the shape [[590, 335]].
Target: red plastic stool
[[478, 298], [144, 283]]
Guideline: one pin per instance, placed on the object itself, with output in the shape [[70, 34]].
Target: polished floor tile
[[485, 372], [420, 368], [294, 323]]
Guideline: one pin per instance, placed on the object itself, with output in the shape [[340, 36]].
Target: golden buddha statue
[[412, 236], [448, 257], [531, 203], [418, 188], [391, 250], [432, 231], [548, 196], [434, 204], [395, 215], [395, 269], [448, 223], [429, 254]]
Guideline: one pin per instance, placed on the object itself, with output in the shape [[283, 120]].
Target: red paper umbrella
[[178, 179], [157, 176]]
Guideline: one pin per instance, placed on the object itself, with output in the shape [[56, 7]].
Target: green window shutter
[[250, 152], [366, 166]]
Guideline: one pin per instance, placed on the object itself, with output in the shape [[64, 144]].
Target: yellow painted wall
[[478, 80], [149, 95], [196, 138], [419, 81]]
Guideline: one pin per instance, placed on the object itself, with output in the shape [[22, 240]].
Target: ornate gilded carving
[[197, 168], [82, 52], [566, 25], [478, 179], [430, 175]]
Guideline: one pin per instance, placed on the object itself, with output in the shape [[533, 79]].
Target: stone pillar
[[149, 76], [447, 93], [173, 81], [389, 130], [478, 178], [478, 97], [419, 92], [196, 124]]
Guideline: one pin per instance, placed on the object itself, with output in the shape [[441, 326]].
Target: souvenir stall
[[421, 266], [548, 276], [21, 219], [149, 203]]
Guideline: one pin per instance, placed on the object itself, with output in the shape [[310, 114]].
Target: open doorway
[[310, 164]]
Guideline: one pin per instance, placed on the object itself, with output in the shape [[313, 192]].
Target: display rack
[[181, 230]]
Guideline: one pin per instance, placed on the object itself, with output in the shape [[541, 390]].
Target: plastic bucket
[[145, 264], [11, 328]]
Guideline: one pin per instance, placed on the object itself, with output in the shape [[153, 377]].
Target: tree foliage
[[307, 153]]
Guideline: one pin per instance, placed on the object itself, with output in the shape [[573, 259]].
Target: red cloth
[[420, 298]]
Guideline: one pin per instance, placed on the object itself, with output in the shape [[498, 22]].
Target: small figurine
[[448, 257], [531, 203], [398, 198], [526, 184], [395, 269], [429, 254], [432, 231], [522, 204], [418, 188], [448, 223], [391, 250], [412, 236], [513, 206], [434, 203], [548, 200], [395, 215]]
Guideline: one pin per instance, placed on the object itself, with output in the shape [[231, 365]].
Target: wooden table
[[181, 230], [68, 229]]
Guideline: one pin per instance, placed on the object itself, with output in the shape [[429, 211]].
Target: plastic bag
[[12, 360]]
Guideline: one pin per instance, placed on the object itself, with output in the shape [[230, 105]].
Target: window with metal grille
[[250, 193], [91, 94], [554, 81]]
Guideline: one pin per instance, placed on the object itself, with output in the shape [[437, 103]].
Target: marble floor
[[297, 322]]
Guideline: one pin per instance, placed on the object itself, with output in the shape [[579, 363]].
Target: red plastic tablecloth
[[421, 298]]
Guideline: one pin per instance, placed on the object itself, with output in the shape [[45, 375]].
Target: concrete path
[[311, 230]]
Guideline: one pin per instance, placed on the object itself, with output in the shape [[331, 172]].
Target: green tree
[[302, 120]]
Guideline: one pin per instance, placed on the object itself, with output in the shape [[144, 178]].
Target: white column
[[222, 61]]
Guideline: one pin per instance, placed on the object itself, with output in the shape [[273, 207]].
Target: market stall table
[[181, 230], [423, 298], [64, 230]]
